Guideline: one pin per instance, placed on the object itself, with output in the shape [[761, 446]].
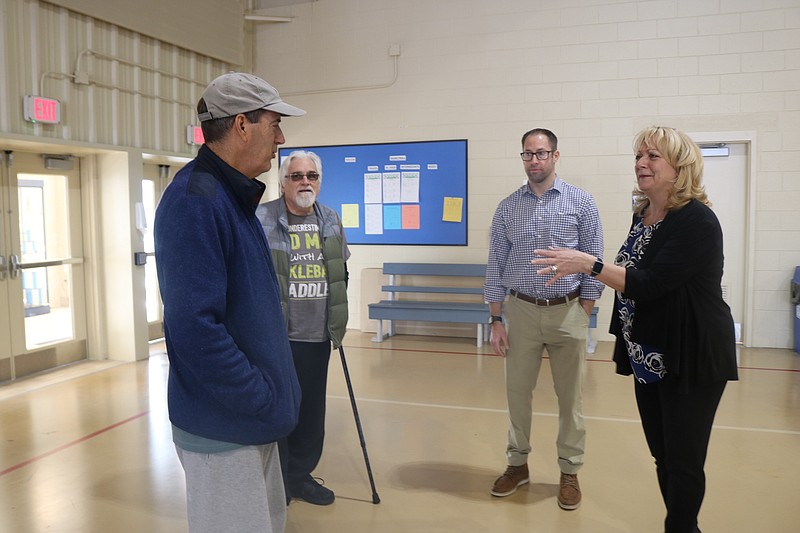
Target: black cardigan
[[678, 296]]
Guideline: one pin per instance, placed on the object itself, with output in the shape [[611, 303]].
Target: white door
[[42, 296], [725, 180]]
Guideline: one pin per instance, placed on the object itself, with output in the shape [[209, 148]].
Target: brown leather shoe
[[569, 493], [513, 477]]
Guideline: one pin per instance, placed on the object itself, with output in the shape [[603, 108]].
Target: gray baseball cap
[[238, 92]]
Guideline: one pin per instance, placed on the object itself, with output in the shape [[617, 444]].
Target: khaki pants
[[562, 330]]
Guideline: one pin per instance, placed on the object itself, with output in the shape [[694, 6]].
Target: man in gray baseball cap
[[238, 92], [233, 391]]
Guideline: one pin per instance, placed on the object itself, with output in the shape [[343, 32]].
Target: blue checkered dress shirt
[[565, 217]]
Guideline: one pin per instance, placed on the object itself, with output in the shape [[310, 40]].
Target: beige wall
[[117, 87], [593, 71], [192, 25]]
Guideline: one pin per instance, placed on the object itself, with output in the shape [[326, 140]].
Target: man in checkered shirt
[[545, 212]]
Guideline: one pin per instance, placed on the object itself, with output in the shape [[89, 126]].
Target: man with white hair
[[310, 253]]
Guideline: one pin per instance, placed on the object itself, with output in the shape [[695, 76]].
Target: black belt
[[546, 301]]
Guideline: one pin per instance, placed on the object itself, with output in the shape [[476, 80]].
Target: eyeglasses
[[298, 176], [541, 155]]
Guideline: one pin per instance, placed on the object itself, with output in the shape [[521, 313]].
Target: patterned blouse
[[647, 361]]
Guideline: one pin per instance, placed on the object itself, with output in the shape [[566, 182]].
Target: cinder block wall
[[594, 72]]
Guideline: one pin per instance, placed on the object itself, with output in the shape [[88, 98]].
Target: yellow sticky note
[[452, 209], [350, 216]]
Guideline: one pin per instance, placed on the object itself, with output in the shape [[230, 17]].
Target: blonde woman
[[674, 331]]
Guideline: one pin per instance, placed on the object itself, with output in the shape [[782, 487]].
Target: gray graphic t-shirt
[[308, 281]]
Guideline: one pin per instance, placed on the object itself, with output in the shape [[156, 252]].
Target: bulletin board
[[406, 193]]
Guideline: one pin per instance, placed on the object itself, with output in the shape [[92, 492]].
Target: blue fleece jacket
[[231, 375]]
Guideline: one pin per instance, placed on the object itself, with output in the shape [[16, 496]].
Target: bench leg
[[378, 334], [480, 335], [591, 344], [390, 328]]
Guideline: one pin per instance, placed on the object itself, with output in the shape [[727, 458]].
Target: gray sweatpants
[[239, 491]]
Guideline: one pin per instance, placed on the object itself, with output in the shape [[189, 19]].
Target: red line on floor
[[492, 354], [70, 444], [447, 352], [769, 369], [380, 348]]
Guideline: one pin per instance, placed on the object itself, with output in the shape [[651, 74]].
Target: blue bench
[[440, 311], [426, 310]]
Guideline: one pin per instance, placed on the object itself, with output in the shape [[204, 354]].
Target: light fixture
[[58, 162], [255, 17], [714, 150]]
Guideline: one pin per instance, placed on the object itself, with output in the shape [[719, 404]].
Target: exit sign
[[42, 110], [194, 135]]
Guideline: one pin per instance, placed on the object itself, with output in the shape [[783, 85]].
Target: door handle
[[14, 267], [3, 268]]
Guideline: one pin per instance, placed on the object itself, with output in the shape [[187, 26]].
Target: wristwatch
[[597, 268], [495, 318]]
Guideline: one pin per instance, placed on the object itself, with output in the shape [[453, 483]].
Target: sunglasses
[[298, 176]]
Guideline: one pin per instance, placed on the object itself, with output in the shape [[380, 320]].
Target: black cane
[[375, 498]]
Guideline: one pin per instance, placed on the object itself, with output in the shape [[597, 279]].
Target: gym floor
[[87, 448]]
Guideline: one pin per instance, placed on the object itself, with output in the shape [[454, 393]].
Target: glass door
[[41, 271], [154, 180], [6, 363]]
